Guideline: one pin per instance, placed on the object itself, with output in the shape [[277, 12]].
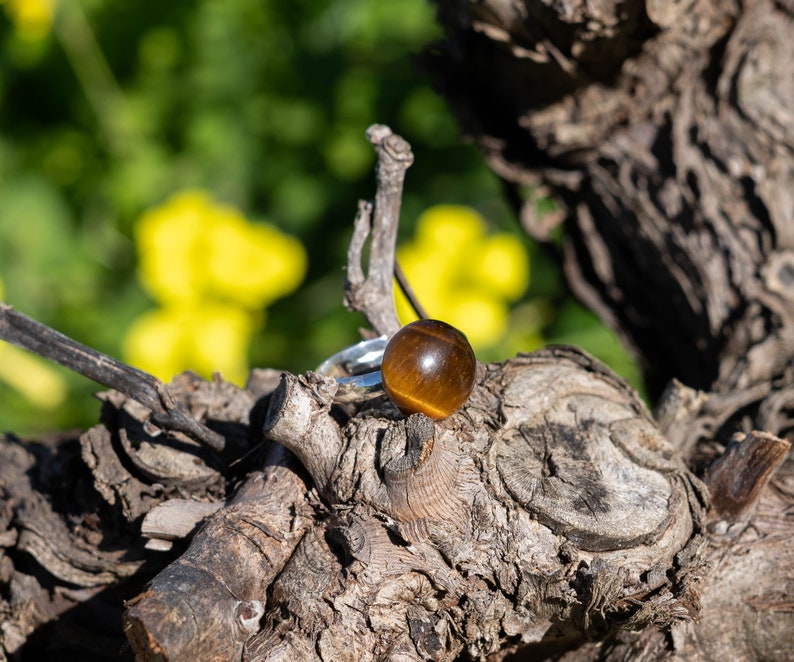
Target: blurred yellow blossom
[[200, 336], [463, 275], [31, 18], [192, 248], [212, 271], [30, 375]]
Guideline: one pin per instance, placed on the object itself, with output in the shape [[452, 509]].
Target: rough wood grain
[[664, 132], [552, 517], [209, 602], [503, 524], [71, 549]]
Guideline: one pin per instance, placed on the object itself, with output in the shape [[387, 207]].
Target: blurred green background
[[110, 108]]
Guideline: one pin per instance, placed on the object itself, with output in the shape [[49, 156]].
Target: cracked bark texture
[[553, 516], [664, 131], [548, 510]]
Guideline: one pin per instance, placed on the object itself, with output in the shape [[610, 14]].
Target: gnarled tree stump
[[553, 516]]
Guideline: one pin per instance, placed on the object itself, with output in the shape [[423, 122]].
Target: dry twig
[[167, 413], [373, 295]]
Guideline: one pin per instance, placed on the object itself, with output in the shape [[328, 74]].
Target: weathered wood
[[71, 549], [447, 539], [173, 520], [208, 603], [373, 294], [663, 131], [552, 516], [737, 479], [65, 563]]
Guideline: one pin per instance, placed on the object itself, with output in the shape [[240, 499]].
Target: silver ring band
[[356, 370]]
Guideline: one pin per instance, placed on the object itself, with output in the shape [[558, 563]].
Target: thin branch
[[27, 333], [374, 295], [408, 291], [362, 226]]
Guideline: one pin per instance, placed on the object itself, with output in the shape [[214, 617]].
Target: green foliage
[[115, 106]]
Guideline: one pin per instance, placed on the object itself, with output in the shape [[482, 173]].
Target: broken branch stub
[[736, 480], [209, 602], [373, 295]]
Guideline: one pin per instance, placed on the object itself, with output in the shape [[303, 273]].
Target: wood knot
[[353, 535], [249, 613]]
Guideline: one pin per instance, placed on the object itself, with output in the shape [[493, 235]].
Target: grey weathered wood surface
[[553, 517], [664, 131]]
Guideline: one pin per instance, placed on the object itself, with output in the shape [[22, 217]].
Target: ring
[[357, 370], [427, 367]]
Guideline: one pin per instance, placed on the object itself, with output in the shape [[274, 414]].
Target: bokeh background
[[178, 182]]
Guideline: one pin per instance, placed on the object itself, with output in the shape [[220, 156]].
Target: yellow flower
[[502, 266], [253, 264], [193, 249], [213, 272], [31, 18], [202, 337], [463, 275], [33, 377]]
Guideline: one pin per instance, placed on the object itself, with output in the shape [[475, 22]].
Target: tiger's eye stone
[[428, 367]]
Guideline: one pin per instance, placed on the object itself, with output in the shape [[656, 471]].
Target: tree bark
[[553, 516], [664, 131]]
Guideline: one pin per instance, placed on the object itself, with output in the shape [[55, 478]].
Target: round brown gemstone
[[428, 367]]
